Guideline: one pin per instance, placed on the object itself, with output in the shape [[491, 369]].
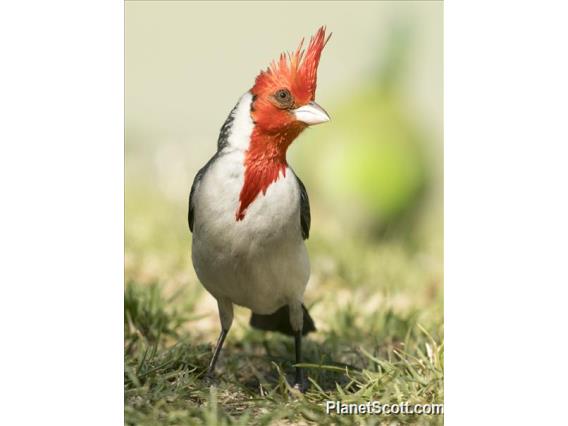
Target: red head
[[283, 106], [285, 92]]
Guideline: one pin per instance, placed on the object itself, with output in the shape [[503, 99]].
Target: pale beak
[[311, 114]]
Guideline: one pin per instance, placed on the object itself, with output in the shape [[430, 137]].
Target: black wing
[[225, 131], [222, 142], [194, 186], [305, 217]]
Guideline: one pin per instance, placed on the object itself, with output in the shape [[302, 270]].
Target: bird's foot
[[301, 384], [210, 379]]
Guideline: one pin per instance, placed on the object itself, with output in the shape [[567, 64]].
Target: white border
[[61, 226], [506, 212]]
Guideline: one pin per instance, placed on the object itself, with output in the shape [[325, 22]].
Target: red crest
[[296, 71]]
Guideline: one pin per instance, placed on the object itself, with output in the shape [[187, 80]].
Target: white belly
[[260, 262]]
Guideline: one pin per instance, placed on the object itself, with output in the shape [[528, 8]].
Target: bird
[[249, 213]]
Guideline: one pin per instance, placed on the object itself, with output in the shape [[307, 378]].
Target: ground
[[377, 302]]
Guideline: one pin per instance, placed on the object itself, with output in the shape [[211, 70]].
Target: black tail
[[280, 321]]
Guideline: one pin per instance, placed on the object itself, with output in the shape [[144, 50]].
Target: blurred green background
[[374, 173]]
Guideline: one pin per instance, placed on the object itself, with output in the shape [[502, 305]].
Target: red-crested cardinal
[[250, 213]]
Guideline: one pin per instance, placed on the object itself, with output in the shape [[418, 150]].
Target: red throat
[[264, 161]]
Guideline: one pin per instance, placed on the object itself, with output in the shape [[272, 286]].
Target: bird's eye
[[284, 98]]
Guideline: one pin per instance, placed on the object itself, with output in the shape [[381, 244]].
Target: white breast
[[261, 261]]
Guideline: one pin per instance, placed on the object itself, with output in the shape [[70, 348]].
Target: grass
[[378, 306]]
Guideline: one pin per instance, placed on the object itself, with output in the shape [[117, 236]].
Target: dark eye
[[284, 98]]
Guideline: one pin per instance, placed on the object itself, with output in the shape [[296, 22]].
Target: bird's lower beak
[[311, 114]]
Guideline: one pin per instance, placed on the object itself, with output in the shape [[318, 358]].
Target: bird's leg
[[226, 317], [297, 323], [217, 351], [300, 381]]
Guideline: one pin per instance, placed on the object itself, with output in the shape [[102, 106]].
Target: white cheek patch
[[243, 125]]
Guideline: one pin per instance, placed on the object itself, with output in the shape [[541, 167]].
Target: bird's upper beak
[[311, 114]]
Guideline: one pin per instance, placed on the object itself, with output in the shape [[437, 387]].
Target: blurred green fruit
[[380, 166]]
